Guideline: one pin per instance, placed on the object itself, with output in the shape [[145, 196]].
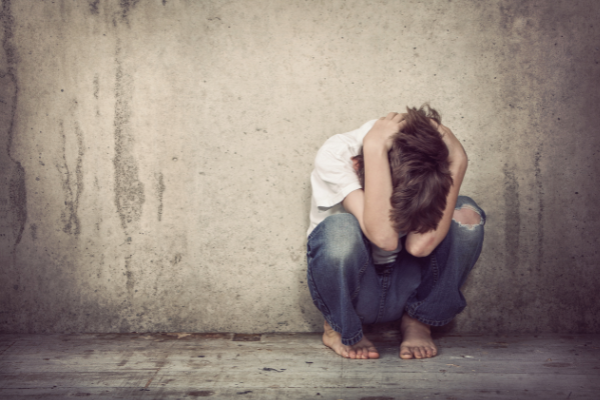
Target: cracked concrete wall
[[155, 156]]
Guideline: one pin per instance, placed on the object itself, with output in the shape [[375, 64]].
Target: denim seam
[[435, 269], [361, 272], [412, 313], [380, 308], [354, 339], [412, 309], [333, 325], [431, 322], [321, 304], [348, 342]]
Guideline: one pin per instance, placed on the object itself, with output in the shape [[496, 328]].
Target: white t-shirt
[[334, 178]]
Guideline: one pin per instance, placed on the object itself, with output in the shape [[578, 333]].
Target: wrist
[[374, 146]]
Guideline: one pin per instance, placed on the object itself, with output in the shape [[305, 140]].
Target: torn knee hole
[[467, 217]]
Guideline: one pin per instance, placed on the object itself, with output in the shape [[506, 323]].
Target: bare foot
[[416, 339], [364, 349]]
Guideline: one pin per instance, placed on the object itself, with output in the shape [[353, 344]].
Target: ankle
[[410, 322], [328, 330]]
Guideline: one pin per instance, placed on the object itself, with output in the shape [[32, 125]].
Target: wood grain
[[294, 366]]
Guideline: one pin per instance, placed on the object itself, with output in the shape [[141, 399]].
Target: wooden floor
[[294, 366]]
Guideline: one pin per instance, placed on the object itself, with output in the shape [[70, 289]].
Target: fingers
[[433, 123], [395, 117], [395, 120], [440, 128]]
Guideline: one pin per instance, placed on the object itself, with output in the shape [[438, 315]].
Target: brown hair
[[421, 176]]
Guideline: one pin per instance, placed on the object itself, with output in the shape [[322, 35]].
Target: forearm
[[378, 191], [372, 206]]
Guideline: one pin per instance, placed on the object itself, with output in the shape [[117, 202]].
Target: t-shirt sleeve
[[333, 177]]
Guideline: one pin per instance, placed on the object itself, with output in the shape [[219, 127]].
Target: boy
[[390, 238]]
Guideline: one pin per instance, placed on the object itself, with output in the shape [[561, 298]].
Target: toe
[[372, 353], [427, 352], [366, 353], [418, 352], [405, 353], [358, 353], [432, 352]]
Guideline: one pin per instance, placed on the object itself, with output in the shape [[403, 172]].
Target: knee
[[341, 226], [467, 217], [468, 214], [341, 239]]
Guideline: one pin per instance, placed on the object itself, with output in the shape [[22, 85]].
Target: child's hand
[[384, 130]]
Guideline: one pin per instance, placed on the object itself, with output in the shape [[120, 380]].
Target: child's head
[[421, 177]]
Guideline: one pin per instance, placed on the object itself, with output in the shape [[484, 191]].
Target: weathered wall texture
[[155, 155]]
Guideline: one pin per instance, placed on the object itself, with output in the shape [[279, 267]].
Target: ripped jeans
[[350, 290]]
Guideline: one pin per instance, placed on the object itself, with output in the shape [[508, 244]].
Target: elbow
[[418, 249], [420, 252], [385, 238]]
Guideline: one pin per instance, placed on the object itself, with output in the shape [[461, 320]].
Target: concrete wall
[[155, 155]]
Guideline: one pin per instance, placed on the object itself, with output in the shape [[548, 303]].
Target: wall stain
[[94, 7], [540, 220], [72, 190], [18, 201], [126, 6], [129, 190], [33, 229], [160, 189], [176, 259], [96, 86], [17, 189], [129, 275], [512, 226]]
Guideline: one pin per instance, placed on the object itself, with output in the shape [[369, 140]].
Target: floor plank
[[294, 366]]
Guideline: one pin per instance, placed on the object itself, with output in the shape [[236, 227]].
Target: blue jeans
[[350, 290]]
